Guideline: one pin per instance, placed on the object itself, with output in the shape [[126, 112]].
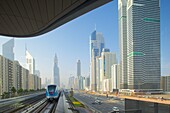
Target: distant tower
[[78, 68], [30, 62], [56, 71], [7, 49]]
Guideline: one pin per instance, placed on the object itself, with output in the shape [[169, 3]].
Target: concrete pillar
[[155, 107]]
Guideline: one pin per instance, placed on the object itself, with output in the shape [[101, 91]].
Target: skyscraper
[[96, 46], [141, 23], [122, 21], [56, 71], [107, 60], [78, 68], [7, 49], [30, 62], [96, 42]]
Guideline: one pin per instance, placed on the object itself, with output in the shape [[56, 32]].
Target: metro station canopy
[[28, 18]]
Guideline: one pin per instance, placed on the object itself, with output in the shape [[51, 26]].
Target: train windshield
[[51, 88]]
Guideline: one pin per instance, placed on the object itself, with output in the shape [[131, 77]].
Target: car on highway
[[115, 109], [97, 102]]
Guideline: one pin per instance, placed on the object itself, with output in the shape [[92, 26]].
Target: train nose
[[51, 93]]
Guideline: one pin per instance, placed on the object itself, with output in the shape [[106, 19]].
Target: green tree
[[13, 90], [25, 91], [5, 95], [20, 91]]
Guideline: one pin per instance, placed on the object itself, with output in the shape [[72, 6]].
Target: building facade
[[107, 60], [30, 62], [7, 50], [139, 34], [87, 83], [115, 76], [71, 82], [78, 68], [12, 74], [122, 22], [165, 83], [6, 75], [96, 46], [56, 72], [25, 77], [17, 75]]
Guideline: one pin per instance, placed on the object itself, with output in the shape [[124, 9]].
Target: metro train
[[52, 92]]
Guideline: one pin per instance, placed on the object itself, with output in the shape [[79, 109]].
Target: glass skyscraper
[[140, 21], [123, 42], [96, 46], [7, 49]]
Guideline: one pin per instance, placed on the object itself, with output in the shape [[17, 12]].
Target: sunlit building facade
[[115, 77], [139, 34], [122, 22], [165, 83], [6, 75], [143, 44], [30, 62], [107, 60]]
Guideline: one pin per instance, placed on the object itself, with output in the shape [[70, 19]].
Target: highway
[[105, 107]]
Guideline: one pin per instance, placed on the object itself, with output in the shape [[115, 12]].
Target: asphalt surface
[[105, 107]]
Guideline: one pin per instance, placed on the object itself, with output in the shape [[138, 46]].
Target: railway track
[[37, 104], [22, 105], [48, 107]]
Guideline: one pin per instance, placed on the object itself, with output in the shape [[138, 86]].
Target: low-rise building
[[115, 77], [165, 83]]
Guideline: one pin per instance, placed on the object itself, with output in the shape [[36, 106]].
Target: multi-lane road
[[105, 107]]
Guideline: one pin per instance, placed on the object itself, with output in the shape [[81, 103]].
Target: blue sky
[[71, 41]]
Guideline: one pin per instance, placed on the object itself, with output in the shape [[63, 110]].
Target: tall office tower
[[78, 68], [30, 62], [7, 49], [56, 71], [96, 46], [93, 78], [96, 42], [143, 44], [123, 42], [107, 60]]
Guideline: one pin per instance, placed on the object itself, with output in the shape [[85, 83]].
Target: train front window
[[51, 88]]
